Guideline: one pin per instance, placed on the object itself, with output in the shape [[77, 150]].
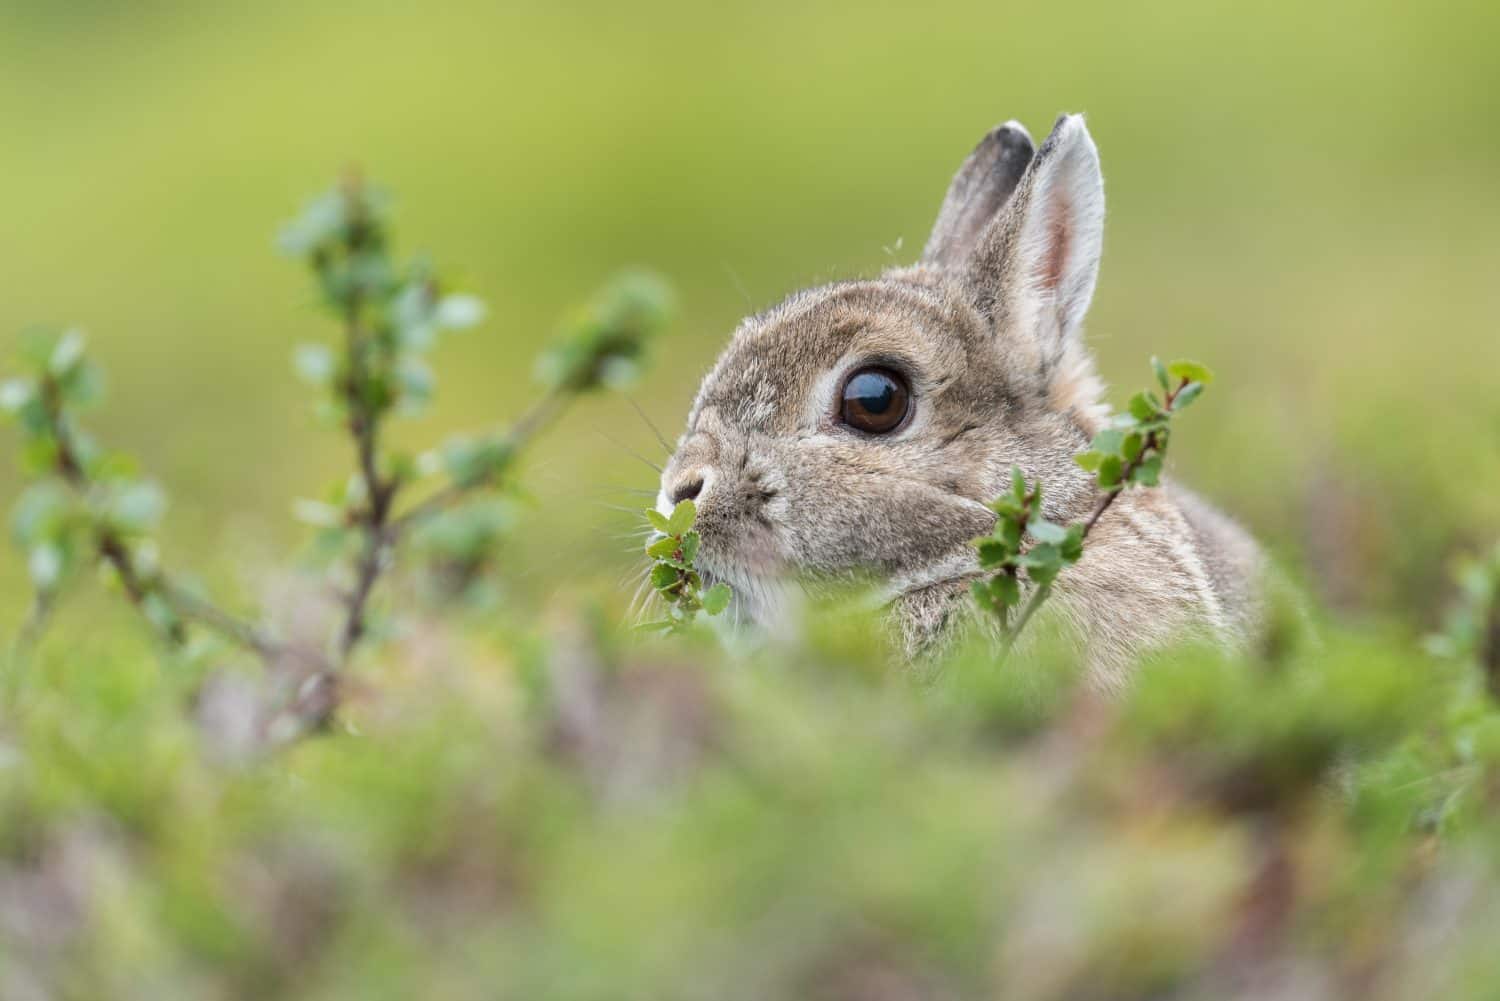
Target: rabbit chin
[[761, 602]]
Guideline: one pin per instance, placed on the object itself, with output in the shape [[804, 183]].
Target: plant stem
[[536, 419], [1043, 591], [1027, 611], [114, 549], [364, 425]]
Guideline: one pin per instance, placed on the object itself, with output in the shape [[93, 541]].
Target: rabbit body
[[981, 345]]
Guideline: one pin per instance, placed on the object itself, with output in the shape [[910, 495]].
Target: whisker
[[641, 599], [616, 507], [650, 424], [628, 450], [739, 286], [632, 491]]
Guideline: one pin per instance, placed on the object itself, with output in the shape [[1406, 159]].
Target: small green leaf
[[417, 382], [980, 589], [657, 519], [682, 518], [662, 548], [1010, 534], [1191, 371], [160, 612], [39, 455], [471, 461], [1006, 506], [15, 394], [1148, 473], [1109, 472], [716, 599], [1162, 378], [45, 564], [993, 553], [663, 577], [459, 312], [1045, 531], [1072, 546], [1187, 394], [1144, 406], [1017, 484], [1043, 563], [1089, 460], [42, 512], [690, 543], [1130, 448], [82, 385], [317, 513], [314, 363], [67, 353], [1108, 441], [1005, 590], [137, 506]]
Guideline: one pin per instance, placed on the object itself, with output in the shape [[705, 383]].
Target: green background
[[1302, 195]]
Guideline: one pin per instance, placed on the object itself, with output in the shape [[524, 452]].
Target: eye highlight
[[875, 400]]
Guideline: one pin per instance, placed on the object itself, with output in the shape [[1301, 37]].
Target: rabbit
[[857, 430]]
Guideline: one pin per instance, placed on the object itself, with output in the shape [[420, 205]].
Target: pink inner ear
[[1057, 244]]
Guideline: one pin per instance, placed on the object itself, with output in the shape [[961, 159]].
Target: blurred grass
[[1300, 194], [599, 818]]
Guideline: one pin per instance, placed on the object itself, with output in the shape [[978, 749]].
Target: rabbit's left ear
[[1035, 267]]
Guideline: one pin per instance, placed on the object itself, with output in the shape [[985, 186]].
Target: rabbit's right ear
[[1034, 269], [978, 193]]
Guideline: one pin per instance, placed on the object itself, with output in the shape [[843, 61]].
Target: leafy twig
[[84, 506], [1128, 453], [674, 576], [500, 449], [1471, 629], [110, 513], [390, 316]]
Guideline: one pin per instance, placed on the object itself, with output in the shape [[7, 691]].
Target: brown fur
[[987, 329]]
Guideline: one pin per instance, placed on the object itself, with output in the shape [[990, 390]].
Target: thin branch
[[1044, 591], [113, 548], [364, 425], [526, 427], [205, 613]]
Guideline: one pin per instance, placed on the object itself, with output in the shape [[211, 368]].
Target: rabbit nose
[[688, 487]]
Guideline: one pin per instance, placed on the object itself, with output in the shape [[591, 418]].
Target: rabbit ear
[[1035, 268], [978, 192]]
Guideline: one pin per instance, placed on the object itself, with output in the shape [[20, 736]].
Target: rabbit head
[[857, 429]]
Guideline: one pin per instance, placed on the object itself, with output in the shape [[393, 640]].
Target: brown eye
[[876, 400]]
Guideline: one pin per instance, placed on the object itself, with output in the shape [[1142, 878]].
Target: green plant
[[1128, 453], [85, 505], [1471, 629], [674, 577]]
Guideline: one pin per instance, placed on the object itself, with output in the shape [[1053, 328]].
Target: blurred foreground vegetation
[[567, 813]]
